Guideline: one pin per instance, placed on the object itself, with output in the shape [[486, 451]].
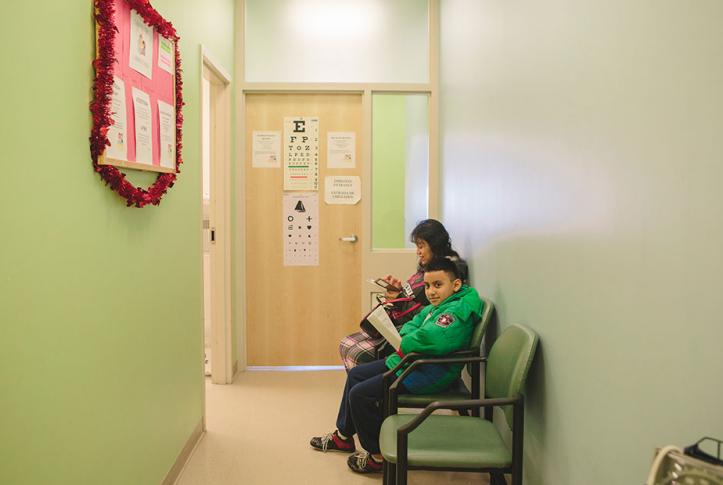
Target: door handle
[[350, 239]]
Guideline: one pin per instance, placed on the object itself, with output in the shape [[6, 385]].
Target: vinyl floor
[[258, 432]]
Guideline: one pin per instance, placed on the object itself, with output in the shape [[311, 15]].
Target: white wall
[[582, 159]]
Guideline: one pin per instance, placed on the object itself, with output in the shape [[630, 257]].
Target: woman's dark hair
[[433, 232]]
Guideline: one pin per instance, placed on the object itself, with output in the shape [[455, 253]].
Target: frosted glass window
[[337, 41], [400, 167]]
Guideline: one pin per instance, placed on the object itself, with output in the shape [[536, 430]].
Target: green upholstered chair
[[456, 391], [429, 441]]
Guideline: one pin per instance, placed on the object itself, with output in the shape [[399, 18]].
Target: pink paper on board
[[161, 87]]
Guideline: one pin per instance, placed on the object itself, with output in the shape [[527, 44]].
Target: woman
[[432, 241]]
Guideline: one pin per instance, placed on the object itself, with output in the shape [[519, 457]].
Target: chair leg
[[463, 412], [392, 479], [401, 475], [497, 478]]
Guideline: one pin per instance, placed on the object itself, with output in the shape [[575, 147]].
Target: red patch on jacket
[[444, 320]]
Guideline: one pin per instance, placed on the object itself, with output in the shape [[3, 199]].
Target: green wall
[[100, 305], [389, 155], [582, 164]]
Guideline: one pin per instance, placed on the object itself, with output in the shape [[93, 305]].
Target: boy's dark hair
[[433, 232], [446, 265]]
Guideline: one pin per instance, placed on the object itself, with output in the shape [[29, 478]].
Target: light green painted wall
[[582, 164], [100, 305], [389, 155]]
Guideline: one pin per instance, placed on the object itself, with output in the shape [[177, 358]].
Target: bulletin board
[[137, 117]]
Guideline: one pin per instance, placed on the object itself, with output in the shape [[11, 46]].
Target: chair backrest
[[508, 363], [479, 330]]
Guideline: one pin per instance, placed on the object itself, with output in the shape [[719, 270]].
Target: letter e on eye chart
[[301, 229]]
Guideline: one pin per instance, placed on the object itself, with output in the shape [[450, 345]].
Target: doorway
[[216, 190]]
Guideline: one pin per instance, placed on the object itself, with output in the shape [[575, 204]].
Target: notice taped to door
[[344, 189], [301, 150], [301, 229]]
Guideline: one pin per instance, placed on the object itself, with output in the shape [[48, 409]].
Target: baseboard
[[293, 368], [175, 472]]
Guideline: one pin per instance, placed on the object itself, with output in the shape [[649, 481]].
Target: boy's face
[[438, 286]]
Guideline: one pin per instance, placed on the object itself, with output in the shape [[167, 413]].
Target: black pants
[[360, 410]]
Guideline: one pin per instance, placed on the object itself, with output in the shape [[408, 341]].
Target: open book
[[384, 325]]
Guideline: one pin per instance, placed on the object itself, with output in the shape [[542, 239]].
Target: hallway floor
[[258, 432]]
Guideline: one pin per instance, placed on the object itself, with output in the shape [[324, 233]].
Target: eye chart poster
[[301, 229], [301, 147]]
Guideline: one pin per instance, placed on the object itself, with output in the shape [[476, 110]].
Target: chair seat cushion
[[455, 392], [447, 441]]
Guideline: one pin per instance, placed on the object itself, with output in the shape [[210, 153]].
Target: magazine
[[381, 321]]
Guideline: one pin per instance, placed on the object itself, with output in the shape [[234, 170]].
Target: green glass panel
[[400, 166]]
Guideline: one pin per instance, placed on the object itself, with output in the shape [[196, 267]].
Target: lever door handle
[[351, 239]]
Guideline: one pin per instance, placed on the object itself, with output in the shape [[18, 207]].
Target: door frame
[[375, 262], [222, 365]]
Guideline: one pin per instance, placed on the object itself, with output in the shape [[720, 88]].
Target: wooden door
[[296, 315]]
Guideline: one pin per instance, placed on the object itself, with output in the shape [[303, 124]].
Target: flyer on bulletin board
[[167, 122], [144, 140], [141, 46], [166, 48], [117, 133]]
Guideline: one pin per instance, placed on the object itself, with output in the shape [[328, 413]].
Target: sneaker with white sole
[[333, 442], [362, 462]]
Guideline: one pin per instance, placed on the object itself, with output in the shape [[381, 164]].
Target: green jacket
[[439, 330]]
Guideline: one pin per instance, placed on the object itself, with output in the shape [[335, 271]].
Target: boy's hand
[[391, 294]]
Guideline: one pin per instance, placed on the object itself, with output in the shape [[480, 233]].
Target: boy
[[440, 328]]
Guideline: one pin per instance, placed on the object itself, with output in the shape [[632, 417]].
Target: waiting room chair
[[466, 443], [457, 390]]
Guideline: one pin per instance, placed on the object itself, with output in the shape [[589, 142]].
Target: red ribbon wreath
[[100, 106]]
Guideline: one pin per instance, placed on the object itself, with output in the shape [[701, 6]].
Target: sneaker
[[362, 462], [332, 442]]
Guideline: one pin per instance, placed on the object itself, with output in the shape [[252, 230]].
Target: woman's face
[[424, 252]]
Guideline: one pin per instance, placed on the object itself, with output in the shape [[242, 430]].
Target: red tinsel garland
[[100, 106]]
